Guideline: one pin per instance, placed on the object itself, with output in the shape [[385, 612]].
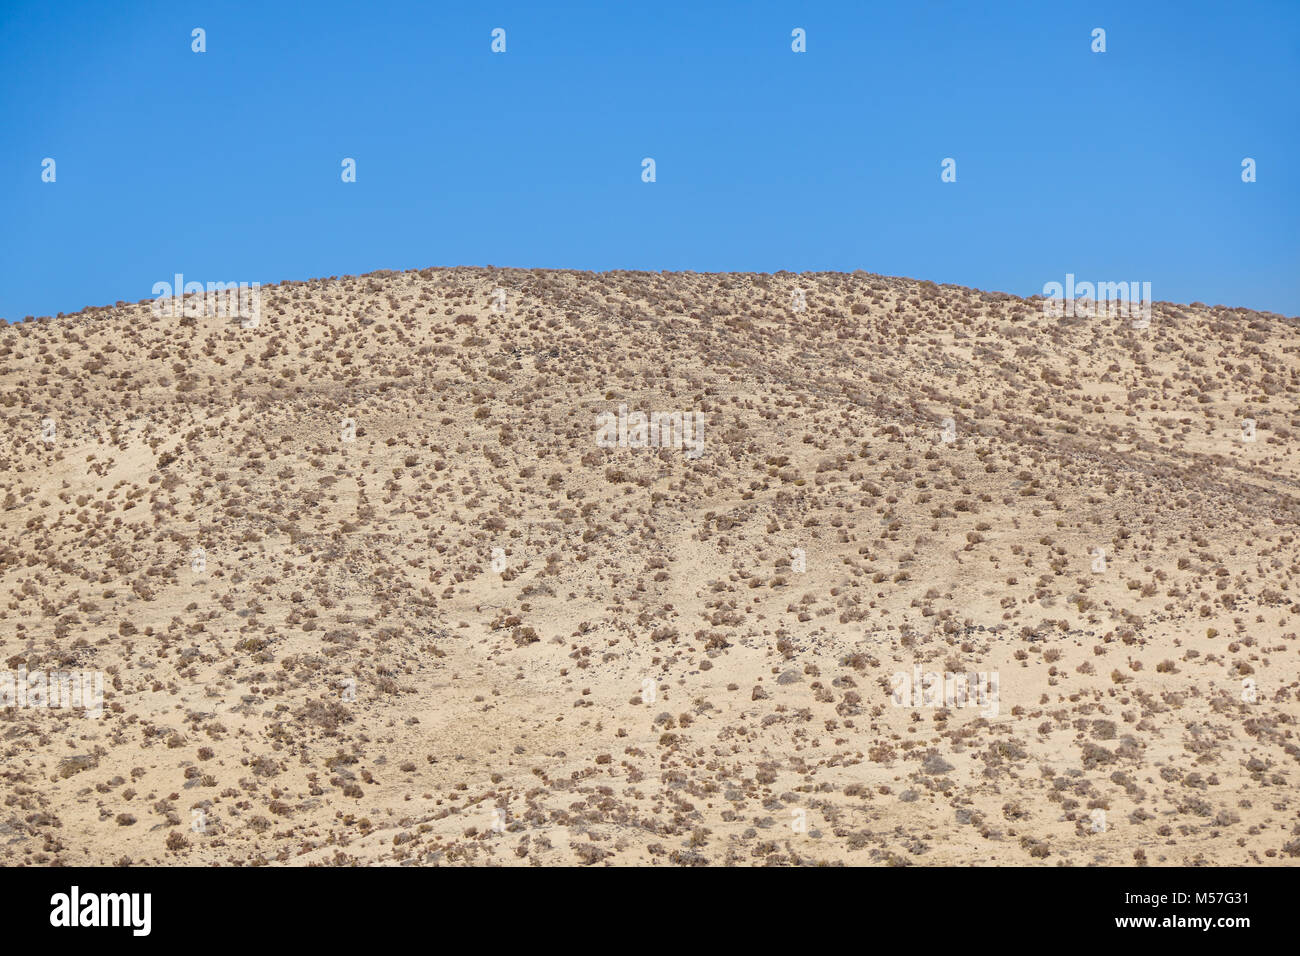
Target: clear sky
[[225, 165]]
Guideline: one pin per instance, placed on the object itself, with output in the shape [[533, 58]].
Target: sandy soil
[[469, 633]]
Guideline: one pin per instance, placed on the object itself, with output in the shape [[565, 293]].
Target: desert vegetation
[[464, 633]]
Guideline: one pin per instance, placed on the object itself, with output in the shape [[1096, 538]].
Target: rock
[[75, 764]]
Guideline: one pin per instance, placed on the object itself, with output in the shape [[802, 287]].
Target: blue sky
[[225, 165]]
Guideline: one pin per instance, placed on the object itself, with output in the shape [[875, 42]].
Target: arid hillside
[[398, 575]]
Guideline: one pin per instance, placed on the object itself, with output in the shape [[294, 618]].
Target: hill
[[399, 574]]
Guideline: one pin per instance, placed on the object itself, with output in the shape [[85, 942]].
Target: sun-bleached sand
[[372, 582]]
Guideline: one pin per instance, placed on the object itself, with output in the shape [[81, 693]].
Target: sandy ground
[[470, 633]]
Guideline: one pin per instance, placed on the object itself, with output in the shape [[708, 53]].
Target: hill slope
[[365, 573]]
